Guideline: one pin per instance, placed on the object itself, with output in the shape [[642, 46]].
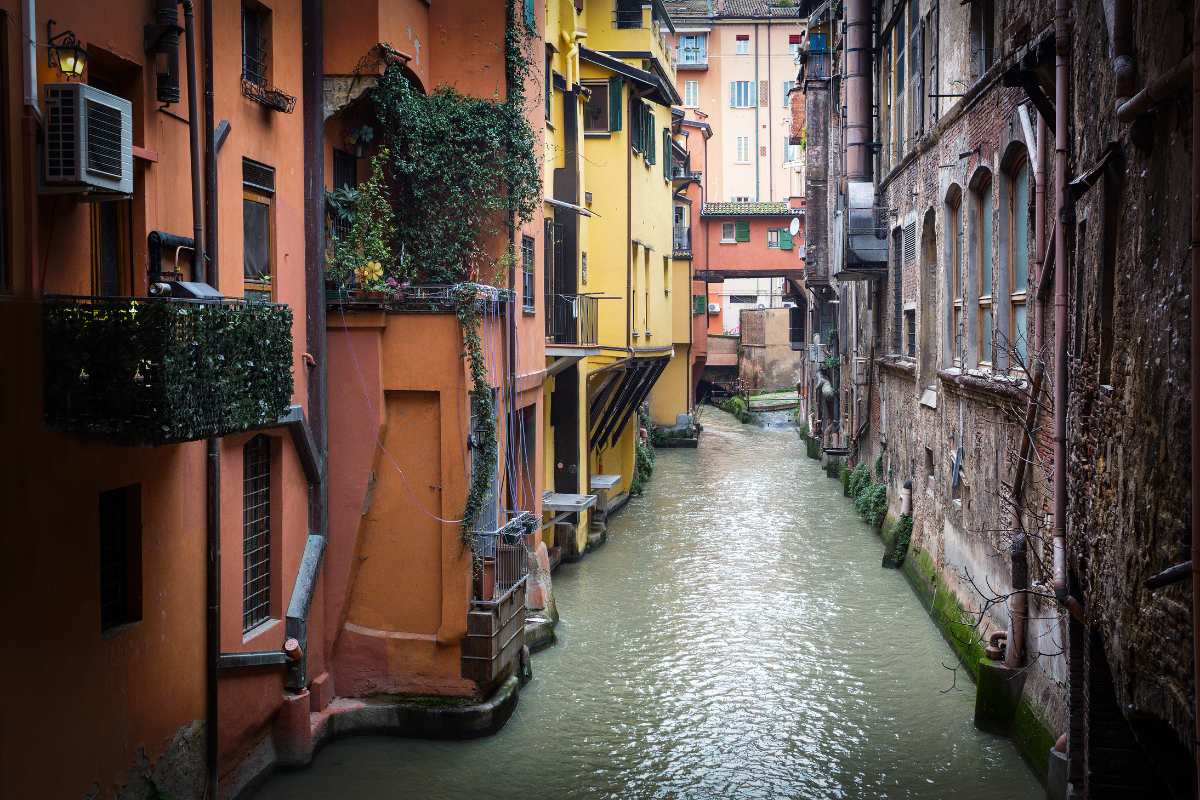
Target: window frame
[[985, 314], [1018, 219], [698, 44], [772, 234], [592, 87], [127, 541], [732, 228], [691, 94], [528, 273], [741, 44], [256, 615], [262, 15], [257, 193], [739, 157], [956, 242], [739, 98]]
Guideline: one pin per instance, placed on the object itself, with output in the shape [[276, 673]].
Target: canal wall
[[1019, 711]]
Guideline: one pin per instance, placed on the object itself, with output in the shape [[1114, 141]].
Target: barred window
[[256, 43], [256, 532], [120, 557]]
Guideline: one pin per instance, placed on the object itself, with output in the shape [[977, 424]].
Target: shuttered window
[[597, 110], [614, 103], [741, 94], [785, 239], [742, 231]]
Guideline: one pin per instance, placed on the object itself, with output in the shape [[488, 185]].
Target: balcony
[[496, 620], [153, 371], [572, 319], [681, 241], [860, 236], [691, 58]]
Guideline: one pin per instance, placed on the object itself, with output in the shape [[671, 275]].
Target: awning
[[569, 206], [616, 401], [661, 90]]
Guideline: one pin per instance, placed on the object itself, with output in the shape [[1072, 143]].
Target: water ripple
[[736, 638]]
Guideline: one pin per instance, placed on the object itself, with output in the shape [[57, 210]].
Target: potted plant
[[361, 259]]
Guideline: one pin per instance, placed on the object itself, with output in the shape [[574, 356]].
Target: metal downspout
[[757, 180], [1062, 65], [858, 120], [1195, 455]]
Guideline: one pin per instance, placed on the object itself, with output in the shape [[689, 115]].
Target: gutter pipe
[[1120, 30], [858, 90], [1062, 65], [1195, 455], [1156, 91]]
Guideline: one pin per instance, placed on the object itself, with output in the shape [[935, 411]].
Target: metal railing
[[817, 64], [691, 57], [572, 319], [501, 556], [681, 239]]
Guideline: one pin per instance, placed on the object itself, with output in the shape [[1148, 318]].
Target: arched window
[[982, 224], [955, 260], [1017, 259]]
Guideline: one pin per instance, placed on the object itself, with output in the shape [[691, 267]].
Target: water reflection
[[736, 638]]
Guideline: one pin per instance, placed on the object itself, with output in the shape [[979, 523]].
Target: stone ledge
[[983, 385]]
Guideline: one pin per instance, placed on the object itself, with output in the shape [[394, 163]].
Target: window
[[743, 150], [666, 275], [727, 232], [955, 243], [527, 268], [898, 85], [530, 17], [787, 90], [741, 198], [691, 93], [741, 94], [929, 463], [256, 532], [345, 175], [897, 290], [796, 325], [773, 238], [258, 230], [794, 44], [256, 44], [678, 212], [743, 44], [983, 35], [1018, 260], [693, 49], [112, 265], [983, 272], [602, 111], [910, 332], [120, 557], [744, 299], [791, 153], [742, 231]]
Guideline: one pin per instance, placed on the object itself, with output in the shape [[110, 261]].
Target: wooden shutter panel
[[650, 140], [614, 103], [785, 239], [668, 156], [741, 231], [699, 304], [733, 94]]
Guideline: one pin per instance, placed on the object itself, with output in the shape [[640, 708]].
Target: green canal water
[[735, 638]]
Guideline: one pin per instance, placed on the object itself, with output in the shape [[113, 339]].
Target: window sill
[[528, 311], [117, 630], [727, 241], [259, 629], [597, 134]]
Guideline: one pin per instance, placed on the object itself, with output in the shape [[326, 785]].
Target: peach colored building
[[201, 587], [736, 64]]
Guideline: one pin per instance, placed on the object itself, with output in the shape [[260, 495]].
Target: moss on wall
[[1033, 739], [956, 625]]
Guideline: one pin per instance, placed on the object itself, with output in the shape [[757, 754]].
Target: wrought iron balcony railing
[[501, 556], [151, 371], [572, 319]]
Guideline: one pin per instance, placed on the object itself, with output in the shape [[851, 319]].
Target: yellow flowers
[[369, 273]]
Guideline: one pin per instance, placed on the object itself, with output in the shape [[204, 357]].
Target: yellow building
[[611, 282]]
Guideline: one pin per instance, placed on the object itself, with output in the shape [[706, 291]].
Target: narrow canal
[[735, 638]]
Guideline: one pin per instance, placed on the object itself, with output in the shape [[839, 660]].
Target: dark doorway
[[564, 417]]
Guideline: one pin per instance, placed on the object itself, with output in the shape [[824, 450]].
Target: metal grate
[[501, 555], [256, 532], [254, 45], [258, 176], [103, 139], [60, 133], [910, 242]]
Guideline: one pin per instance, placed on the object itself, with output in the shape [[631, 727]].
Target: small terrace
[[496, 620], [572, 319], [154, 371]]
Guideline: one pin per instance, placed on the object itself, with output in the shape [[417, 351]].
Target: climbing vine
[[485, 450]]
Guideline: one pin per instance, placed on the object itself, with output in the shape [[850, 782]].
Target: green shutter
[[668, 156], [614, 103], [650, 140], [785, 239], [699, 304], [741, 231]]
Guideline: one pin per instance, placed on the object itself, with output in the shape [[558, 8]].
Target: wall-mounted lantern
[[65, 52]]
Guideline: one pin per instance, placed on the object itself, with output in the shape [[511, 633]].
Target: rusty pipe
[[858, 90], [1156, 90], [1062, 67], [1039, 227]]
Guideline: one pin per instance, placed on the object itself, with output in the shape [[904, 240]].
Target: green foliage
[[879, 467], [831, 362], [736, 406], [364, 258], [464, 171], [483, 464], [902, 536], [340, 204], [643, 466], [858, 482], [156, 371], [871, 503]]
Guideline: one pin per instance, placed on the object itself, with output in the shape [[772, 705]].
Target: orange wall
[[754, 254], [146, 681]]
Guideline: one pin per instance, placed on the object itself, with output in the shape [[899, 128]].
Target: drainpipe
[[200, 269], [770, 130], [629, 230], [31, 58], [1195, 384], [1121, 49], [858, 90], [1039, 226], [757, 190], [1062, 65]]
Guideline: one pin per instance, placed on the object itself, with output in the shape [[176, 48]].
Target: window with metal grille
[[256, 532], [910, 332], [256, 25], [527, 267], [743, 299], [120, 556]]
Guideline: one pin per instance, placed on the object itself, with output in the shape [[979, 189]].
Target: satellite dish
[[794, 228]]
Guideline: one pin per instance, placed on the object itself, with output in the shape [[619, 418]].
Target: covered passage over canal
[[736, 637]]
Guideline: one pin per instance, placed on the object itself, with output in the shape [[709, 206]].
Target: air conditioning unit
[[89, 141], [714, 308]]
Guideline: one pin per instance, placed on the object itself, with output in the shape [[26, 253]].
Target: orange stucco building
[[269, 545]]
